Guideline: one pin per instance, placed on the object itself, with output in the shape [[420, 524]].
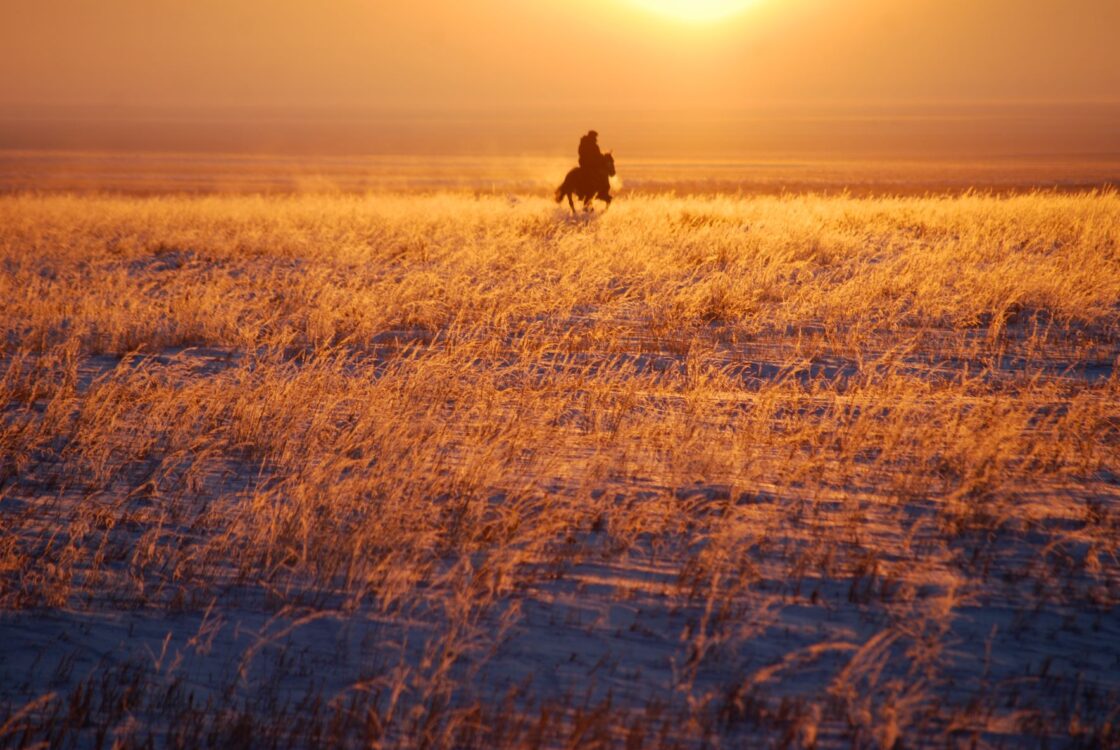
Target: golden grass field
[[443, 470]]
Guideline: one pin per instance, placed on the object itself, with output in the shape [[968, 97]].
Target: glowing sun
[[695, 10]]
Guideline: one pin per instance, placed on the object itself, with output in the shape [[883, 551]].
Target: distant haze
[[1085, 131], [957, 77]]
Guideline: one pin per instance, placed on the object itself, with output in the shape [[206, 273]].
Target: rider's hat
[[593, 132]]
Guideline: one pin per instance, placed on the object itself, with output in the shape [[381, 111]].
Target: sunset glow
[[578, 57], [696, 11]]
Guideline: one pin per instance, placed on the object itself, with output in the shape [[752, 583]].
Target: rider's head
[[593, 133]]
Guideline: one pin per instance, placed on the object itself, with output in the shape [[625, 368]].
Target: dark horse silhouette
[[588, 184]]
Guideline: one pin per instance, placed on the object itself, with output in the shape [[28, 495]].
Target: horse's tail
[[569, 185]]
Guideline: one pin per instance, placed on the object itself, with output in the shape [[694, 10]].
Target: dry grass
[[436, 471]]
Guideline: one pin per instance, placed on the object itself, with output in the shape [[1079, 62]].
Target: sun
[[695, 10]]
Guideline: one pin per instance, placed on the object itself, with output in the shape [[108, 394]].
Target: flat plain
[[449, 468]]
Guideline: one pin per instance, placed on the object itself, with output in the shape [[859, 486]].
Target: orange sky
[[573, 53]]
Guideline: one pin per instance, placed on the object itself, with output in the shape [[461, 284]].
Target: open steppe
[[443, 469]]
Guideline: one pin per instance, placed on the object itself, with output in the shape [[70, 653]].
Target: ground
[[448, 469]]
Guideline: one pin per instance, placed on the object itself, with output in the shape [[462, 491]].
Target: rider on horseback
[[590, 157], [592, 178]]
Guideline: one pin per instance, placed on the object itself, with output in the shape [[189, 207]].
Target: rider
[[590, 157]]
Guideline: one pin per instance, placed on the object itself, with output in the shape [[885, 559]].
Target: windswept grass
[[435, 471]]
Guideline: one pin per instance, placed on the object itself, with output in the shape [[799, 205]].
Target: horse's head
[[608, 162]]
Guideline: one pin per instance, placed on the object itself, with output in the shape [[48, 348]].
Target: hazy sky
[[511, 53]]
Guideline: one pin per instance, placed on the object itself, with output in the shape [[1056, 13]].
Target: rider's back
[[589, 154]]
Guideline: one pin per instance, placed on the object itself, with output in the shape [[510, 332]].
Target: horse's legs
[[572, 203]]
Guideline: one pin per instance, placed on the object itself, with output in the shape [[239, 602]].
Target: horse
[[588, 184]]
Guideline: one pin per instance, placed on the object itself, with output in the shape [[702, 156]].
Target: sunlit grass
[[774, 457]]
